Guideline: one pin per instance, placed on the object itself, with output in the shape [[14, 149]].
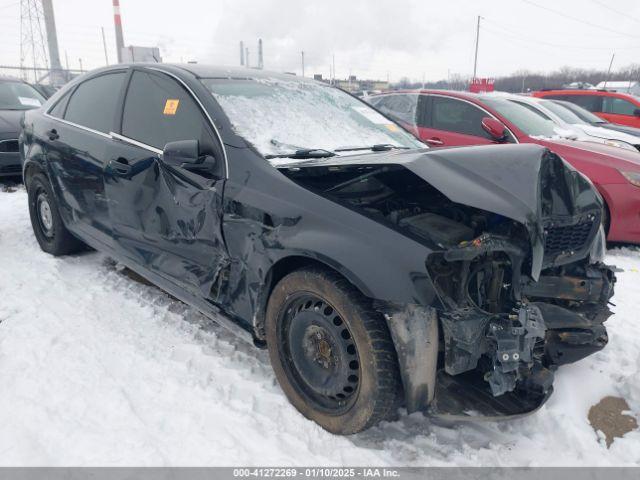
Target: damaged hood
[[526, 183]]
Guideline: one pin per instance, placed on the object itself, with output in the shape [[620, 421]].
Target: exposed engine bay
[[503, 326]]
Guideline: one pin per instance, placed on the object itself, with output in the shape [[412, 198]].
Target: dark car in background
[[45, 90], [16, 97], [449, 118], [615, 107], [376, 271]]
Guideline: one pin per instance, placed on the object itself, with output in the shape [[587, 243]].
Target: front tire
[[331, 352], [48, 228]]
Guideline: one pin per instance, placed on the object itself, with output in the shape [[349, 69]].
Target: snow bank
[[97, 369]]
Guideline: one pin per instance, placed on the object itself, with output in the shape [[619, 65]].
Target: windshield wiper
[[379, 147], [304, 153]]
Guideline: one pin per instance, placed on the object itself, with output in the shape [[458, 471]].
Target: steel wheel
[[45, 216], [319, 354]]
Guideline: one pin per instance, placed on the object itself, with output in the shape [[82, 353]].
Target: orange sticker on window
[[392, 127], [171, 106]]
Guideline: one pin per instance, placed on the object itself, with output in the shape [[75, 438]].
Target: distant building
[[632, 87]]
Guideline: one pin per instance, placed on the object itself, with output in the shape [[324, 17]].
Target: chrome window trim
[[81, 127], [473, 104], [204, 110], [122, 138]]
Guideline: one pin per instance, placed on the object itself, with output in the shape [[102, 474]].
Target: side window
[[157, 110], [457, 116], [618, 106], [60, 106], [94, 102], [593, 103], [400, 107]]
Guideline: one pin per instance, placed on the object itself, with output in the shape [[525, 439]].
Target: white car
[[573, 127]]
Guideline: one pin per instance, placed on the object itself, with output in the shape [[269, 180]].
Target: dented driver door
[[166, 218]]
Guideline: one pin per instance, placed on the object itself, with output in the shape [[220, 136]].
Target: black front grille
[[9, 146], [567, 238]]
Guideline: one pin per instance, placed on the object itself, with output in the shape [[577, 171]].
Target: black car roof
[[213, 71]]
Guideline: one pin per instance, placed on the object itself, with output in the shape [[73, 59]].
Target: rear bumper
[[10, 164], [623, 201]]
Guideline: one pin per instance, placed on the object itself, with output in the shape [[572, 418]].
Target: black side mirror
[[636, 112], [182, 153]]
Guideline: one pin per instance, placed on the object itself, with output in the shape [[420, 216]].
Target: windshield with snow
[[285, 117], [529, 122], [19, 96]]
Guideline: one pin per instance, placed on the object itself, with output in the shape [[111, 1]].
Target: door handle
[[434, 141], [120, 166], [53, 134]]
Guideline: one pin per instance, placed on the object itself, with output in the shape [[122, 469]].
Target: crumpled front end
[[504, 334], [512, 276]]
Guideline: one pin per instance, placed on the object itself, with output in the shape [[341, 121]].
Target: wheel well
[[30, 171], [277, 272]]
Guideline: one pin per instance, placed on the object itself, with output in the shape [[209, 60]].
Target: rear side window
[[399, 107], [94, 102], [59, 107], [157, 110], [457, 116], [618, 106]]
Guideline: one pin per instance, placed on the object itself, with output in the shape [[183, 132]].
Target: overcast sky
[[373, 39]]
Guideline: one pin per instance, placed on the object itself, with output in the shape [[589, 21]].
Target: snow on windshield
[[279, 116]]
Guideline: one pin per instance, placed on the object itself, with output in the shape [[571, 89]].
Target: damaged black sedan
[[377, 272]]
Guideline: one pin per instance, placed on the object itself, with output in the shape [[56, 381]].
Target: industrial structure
[[244, 56]]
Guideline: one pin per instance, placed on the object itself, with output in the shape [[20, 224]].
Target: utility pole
[[475, 60], [241, 53], [302, 57], [80, 61], [117, 20], [609, 71], [260, 59], [104, 45], [334, 68], [52, 42]]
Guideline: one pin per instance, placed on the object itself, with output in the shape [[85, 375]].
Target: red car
[[614, 107], [447, 118]]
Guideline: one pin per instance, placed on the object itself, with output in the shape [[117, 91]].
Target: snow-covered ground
[[98, 369]]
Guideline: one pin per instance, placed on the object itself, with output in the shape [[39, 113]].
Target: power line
[[536, 40], [579, 20], [624, 14]]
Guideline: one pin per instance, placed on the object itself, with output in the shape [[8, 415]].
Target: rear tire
[[51, 234], [331, 352]]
